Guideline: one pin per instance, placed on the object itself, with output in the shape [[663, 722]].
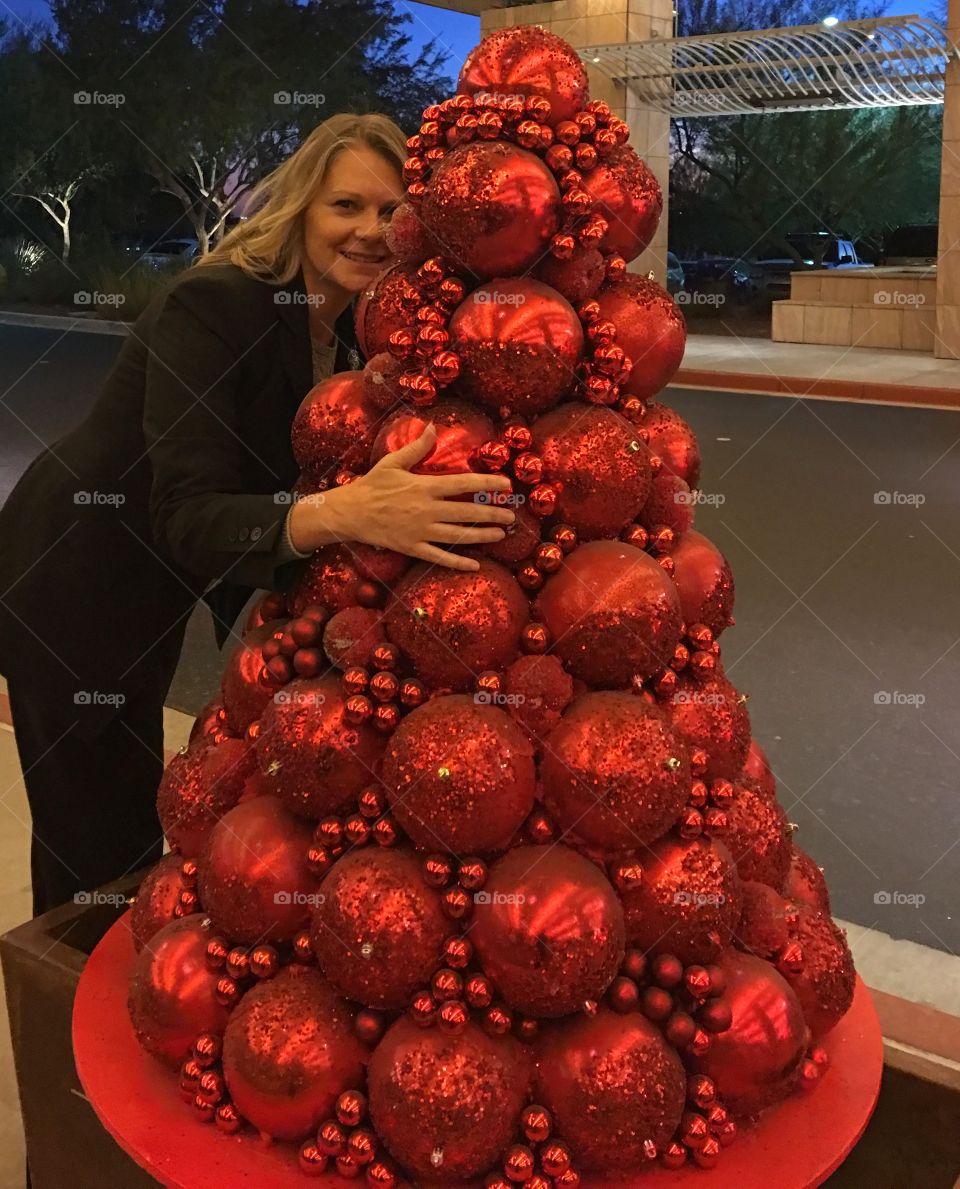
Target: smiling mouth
[[363, 258]]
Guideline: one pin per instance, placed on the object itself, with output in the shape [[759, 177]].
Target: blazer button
[[244, 533], [256, 533], [232, 535]]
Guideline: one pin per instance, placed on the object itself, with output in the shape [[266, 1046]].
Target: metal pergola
[[887, 62]]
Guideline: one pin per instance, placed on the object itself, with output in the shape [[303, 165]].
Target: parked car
[[820, 249], [172, 252], [738, 278], [675, 277], [914, 245]]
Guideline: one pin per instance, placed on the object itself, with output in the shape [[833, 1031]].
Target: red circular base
[[796, 1146]]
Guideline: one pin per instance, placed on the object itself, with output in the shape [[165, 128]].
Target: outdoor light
[[830, 21]]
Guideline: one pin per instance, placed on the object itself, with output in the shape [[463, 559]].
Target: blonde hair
[[269, 244]]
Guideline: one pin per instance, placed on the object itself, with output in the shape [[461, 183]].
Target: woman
[[179, 477]]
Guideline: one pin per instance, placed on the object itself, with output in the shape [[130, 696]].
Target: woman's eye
[[346, 203]]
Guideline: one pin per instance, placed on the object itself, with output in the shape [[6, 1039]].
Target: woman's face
[[344, 224]]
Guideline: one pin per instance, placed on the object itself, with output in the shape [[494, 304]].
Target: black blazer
[[178, 476]]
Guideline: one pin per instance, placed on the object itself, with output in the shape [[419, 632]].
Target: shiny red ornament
[[315, 760], [379, 930], [629, 197], [172, 991], [598, 463], [577, 278], [826, 982], [537, 689], [289, 1051], [612, 613], [713, 716], [672, 440], [244, 692], [334, 426], [763, 929], [446, 1105], [157, 898], [614, 773], [531, 61], [252, 875], [650, 328], [212, 719], [453, 625], [612, 1085], [461, 431], [688, 903], [704, 582], [759, 837], [805, 883], [493, 206], [670, 504], [459, 775], [386, 306], [199, 786], [757, 1061], [334, 574], [548, 930], [519, 343]]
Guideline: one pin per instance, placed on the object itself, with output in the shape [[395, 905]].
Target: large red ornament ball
[[629, 197], [446, 1105], [407, 237], [387, 304], [688, 901], [252, 875], [157, 899], [612, 612], [763, 928], [452, 625], [536, 691], [577, 278], [713, 716], [757, 771], [527, 60], [245, 695], [669, 503], [600, 465], [614, 772], [548, 930], [378, 931], [650, 328], [704, 582], [757, 1061], [459, 775], [494, 207], [289, 1052], [172, 992], [317, 761], [461, 430], [611, 1084], [519, 343], [673, 441], [351, 634], [334, 427], [523, 536], [805, 883], [333, 575], [826, 982], [759, 837], [199, 786]]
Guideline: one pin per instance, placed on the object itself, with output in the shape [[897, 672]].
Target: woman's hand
[[393, 508]]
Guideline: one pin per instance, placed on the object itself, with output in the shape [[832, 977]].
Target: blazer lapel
[[290, 303]]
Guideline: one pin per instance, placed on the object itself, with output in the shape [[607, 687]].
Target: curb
[[806, 386], [64, 322]]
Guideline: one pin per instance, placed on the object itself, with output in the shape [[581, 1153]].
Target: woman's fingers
[[441, 486], [450, 512], [443, 557], [451, 535], [408, 456]]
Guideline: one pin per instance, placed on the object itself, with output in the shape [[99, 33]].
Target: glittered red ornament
[[406, 235], [494, 207], [672, 440], [548, 930], [157, 899], [519, 343], [315, 760], [614, 773], [385, 306], [650, 328], [199, 786], [453, 625], [758, 837], [351, 635], [805, 883], [756, 1061], [704, 582], [461, 430], [171, 998], [576, 278], [536, 691], [522, 538], [528, 60], [612, 1084], [446, 1105], [600, 466], [629, 197], [713, 716], [459, 775], [379, 930], [289, 1051], [382, 388], [612, 613], [757, 772], [244, 694], [334, 574], [252, 875], [688, 902], [334, 426], [826, 982], [763, 928]]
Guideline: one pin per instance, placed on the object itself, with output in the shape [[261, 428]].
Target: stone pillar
[[947, 342], [604, 22]]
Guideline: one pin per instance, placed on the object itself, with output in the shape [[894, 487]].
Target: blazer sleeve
[[198, 509]]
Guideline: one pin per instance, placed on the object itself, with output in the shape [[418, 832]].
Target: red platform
[[797, 1146]]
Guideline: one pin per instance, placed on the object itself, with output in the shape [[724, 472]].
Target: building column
[[604, 22], [947, 342]]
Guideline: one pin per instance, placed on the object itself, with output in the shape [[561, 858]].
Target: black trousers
[[93, 801]]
